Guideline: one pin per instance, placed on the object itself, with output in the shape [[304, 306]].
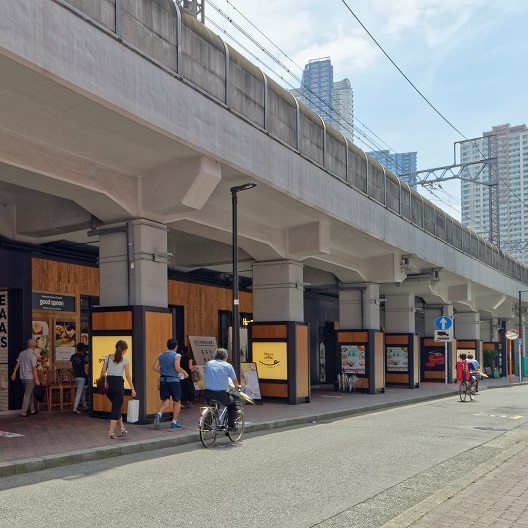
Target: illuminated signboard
[[104, 345], [271, 359]]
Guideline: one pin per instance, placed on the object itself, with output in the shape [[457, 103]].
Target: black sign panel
[[53, 302]]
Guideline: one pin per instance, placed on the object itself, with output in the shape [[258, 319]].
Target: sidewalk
[[62, 438]]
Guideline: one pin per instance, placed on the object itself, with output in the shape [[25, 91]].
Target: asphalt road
[[361, 471]]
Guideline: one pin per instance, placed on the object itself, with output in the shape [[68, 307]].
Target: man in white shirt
[[27, 364]]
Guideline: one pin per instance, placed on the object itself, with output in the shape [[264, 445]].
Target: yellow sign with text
[[271, 359], [104, 345]]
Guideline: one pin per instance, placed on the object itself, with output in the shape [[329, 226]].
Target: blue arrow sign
[[443, 323]]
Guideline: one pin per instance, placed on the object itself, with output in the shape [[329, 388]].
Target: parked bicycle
[[213, 420], [465, 391]]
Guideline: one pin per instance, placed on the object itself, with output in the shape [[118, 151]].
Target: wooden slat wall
[[53, 276], [302, 367], [202, 303], [121, 320], [158, 328]]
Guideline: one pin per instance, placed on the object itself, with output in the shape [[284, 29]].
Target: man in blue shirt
[[168, 365], [474, 369], [218, 372]]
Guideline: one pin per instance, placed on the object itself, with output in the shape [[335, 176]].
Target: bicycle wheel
[[240, 423], [208, 428], [471, 394], [462, 392]]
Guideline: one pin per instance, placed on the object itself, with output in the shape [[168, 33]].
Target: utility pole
[[469, 171], [195, 7]]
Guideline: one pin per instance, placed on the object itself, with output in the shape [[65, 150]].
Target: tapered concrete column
[[467, 325], [359, 306], [489, 330], [133, 264], [278, 291], [431, 314], [400, 314]]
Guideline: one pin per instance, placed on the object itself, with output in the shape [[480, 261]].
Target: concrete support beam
[[309, 239], [400, 314], [467, 325], [432, 313], [278, 291], [182, 187], [359, 306], [489, 329], [133, 264]]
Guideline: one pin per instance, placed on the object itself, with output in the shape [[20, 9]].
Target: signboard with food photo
[[435, 359], [40, 333], [397, 359], [353, 358], [64, 340]]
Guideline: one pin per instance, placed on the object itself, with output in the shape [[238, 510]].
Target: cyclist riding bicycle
[[463, 372], [218, 372], [474, 370]]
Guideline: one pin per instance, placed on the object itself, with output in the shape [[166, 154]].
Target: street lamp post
[[521, 335], [235, 339]]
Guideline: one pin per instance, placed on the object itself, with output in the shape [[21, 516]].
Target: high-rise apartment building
[[333, 101], [398, 163], [512, 177]]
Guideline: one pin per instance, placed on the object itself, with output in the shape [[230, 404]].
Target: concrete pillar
[[278, 291], [489, 330], [467, 326], [133, 264], [359, 306], [431, 314], [400, 314]]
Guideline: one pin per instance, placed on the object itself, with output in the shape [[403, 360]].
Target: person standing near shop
[[187, 384], [168, 365], [80, 370], [27, 364], [114, 366]]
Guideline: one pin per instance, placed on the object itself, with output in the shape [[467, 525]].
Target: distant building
[[398, 163], [512, 156], [333, 101]]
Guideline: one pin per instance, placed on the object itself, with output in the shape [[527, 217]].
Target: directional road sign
[[443, 323], [443, 336]]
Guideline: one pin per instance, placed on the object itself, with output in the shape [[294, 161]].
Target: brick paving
[[59, 438], [497, 499]]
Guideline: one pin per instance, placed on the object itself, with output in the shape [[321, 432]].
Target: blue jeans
[[79, 392]]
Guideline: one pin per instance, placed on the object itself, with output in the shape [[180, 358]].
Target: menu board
[[203, 347], [249, 378], [434, 359], [64, 340], [40, 333], [353, 358], [397, 359]]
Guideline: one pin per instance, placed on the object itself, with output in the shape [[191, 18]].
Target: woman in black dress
[[187, 384]]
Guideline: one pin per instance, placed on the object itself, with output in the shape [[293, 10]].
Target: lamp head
[[243, 187]]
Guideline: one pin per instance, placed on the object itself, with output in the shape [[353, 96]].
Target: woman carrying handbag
[[113, 367]]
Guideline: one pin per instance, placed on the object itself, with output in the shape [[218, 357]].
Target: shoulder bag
[[102, 382]]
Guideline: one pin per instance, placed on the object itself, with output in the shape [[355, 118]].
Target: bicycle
[[465, 391], [213, 421]]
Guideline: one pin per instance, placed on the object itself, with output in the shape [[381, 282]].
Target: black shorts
[[170, 389]]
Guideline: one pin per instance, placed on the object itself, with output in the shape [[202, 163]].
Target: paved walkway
[[61, 438]]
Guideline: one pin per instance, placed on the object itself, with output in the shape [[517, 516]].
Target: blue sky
[[467, 57]]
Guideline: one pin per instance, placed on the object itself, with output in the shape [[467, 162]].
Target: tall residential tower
[[333, 101], [512, 178]]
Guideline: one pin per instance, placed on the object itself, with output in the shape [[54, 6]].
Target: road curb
[[19, 467]]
